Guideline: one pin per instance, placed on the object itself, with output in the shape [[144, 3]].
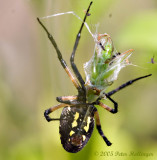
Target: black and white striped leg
[[98, 125]]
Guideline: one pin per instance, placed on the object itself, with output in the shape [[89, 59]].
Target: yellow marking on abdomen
[[83, 137], [71, 133], [86, 128], [74, 123]]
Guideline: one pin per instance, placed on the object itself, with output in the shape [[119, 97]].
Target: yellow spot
[[84, 137], [86, 128], [74, 124], [69, 139], [76, 116], [71, 133]]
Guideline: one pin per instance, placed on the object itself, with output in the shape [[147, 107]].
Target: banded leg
[[71, 100], [125, 85], [73, 65], [98, 125], [112, 110], [52, 109], [62, 61]]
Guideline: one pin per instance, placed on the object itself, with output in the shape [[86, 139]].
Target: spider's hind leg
[[98, 125]]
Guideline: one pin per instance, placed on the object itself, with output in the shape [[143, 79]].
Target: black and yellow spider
[[79, 112]]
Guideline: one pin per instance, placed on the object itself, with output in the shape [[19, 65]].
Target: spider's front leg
[[115, 110], [60, 57], [125, 85], [73, 65]]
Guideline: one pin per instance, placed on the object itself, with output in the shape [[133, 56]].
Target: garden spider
[[79, 112]]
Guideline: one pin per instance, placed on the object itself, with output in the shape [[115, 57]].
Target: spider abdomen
[[76, 127]]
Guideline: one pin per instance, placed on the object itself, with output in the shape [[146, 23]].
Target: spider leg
[[125, 85], [66, 98], [62, 61], [52, 109], [98, 125], [112, 110], [73, 65], [115, 110], [71, 100]]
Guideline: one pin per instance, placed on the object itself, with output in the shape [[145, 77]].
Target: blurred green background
[[31, 77]]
